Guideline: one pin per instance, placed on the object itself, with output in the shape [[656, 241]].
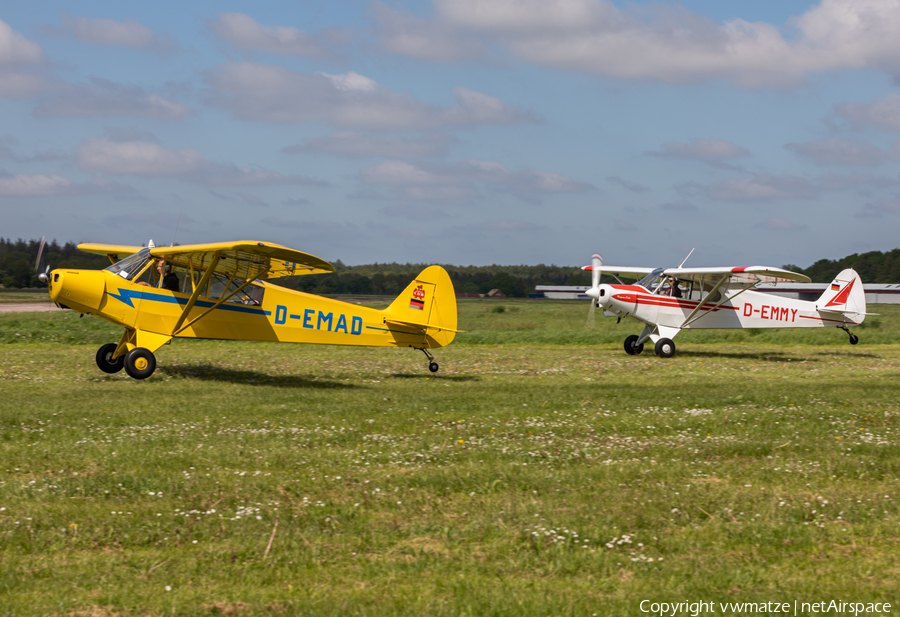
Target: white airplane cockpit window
[[652, 281], [130, 266]]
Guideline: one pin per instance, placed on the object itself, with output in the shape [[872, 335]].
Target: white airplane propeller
[[42, 276], [594, 291]]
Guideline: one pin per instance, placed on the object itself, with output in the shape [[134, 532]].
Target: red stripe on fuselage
[[642, 297]]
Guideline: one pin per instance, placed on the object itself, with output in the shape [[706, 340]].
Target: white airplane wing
[[746, 276]]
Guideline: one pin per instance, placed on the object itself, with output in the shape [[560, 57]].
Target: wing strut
[[202, 285], [691, 318], [212, 308]]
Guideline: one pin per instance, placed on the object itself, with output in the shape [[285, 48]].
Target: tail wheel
[[854, 339], [665, 348], [140, 363], [630, 348], [105, 360]]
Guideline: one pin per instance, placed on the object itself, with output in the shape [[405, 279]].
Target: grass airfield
[[542, 471]]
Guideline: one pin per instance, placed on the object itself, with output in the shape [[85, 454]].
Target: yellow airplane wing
[[245, 260], [115, 252]]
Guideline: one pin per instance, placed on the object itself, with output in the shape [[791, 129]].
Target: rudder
[[428, 304], [845, 295]]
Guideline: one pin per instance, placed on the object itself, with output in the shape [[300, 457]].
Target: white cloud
[[106, 98], [296, 201], [657, 42], [399, 173], [150, 160], [761, 187], [862, 182], [16, 49], [138, 158], [18, 55], [271, 93], [34, 186], [20, 84], [438, 40], [634, 187], [836, 151], [715, 152], [882, 114], [465, 181], [352, 144], [219, 174], [248, 34], [44, 186], [112, 33]]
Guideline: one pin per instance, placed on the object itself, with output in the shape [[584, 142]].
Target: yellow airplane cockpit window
[[220, 285], [130, 266]]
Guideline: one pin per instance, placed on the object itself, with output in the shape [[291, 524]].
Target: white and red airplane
[[669, 300]]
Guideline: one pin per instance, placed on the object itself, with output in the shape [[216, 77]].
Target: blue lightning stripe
[[127, 295]]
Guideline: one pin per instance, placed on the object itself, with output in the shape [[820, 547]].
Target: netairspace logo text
[[695, 609]]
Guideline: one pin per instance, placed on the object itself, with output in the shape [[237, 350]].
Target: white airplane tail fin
[[845, 295]]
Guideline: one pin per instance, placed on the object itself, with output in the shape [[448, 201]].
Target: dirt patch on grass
[[226, 608]]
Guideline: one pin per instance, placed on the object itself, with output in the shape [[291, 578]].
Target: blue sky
[[458, 131]]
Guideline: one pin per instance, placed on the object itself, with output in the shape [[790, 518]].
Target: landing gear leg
[[853, 338], [432, 365]]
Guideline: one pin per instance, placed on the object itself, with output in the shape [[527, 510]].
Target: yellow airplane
[[219, 291]]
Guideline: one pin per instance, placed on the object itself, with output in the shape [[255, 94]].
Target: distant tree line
[[391, 278], [17, 261], [873, 267]]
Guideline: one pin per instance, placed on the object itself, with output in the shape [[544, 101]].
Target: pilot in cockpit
[[674, 290]]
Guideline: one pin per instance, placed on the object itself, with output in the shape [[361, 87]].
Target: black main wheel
[[630, 348], [854, 339], [433, 367], [140, 363], [105, 360], [665, 348]]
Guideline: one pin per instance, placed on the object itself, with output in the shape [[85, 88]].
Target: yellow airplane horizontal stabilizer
[[424, 326]]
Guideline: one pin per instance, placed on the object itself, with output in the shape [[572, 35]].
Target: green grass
[[21, 295], [542, 471]]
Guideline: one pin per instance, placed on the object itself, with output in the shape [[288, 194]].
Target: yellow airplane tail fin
[[425, 312]]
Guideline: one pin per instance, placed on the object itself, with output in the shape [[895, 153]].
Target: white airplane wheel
[[665, 348], [140, 363], [630, 348], [854, 339]]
